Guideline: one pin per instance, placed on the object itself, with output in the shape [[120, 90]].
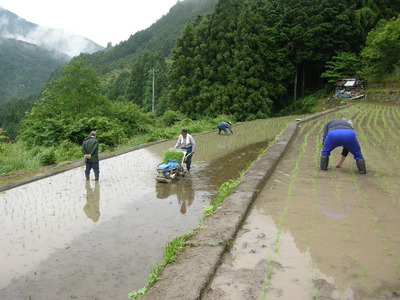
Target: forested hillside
[[243, 60], [159, 37], [250, 58], [123, 69], [246, 58], [24, 68], [29, 53]]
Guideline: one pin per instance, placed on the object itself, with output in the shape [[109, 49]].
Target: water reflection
[[185, 195], [92, 206], [44, 225], [183, 189]]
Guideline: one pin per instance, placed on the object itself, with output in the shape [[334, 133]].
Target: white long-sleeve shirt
[[186, 142]]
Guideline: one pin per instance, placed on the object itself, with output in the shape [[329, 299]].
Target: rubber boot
[[96, 176], [324, 162], [188, 167], [361, 166], [87, 176]]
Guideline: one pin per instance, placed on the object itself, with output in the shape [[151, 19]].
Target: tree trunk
[[295, 86], [304, 81]]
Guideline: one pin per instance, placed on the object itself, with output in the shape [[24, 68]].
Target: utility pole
[[152, 102]]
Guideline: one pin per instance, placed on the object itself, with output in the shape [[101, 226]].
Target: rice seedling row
[[358, 213]]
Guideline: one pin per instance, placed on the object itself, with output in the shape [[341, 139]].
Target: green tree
[[344, 64], [139, 86], [73, 95], [381, 54], [185, 73], [225, 62], [116, 87], [66, 108]]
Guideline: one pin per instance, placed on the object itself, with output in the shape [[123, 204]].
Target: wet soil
[[65, 238], [315, 234]]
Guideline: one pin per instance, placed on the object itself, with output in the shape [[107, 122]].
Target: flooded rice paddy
[[65, 238], [315, 234]]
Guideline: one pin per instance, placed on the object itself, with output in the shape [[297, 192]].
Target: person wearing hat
[[224, 126], [187, 143], [340, 133], [90, 150]]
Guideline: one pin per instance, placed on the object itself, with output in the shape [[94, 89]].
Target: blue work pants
[[346, 138]]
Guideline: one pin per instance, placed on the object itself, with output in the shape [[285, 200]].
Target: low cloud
[[60, 41], [51, 39]]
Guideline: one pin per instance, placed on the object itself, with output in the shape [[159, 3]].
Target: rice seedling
[[269, 273], [171, 250], [365, 271], [315, 294], [138, 293], [388, 249], [169, 154], [283, 213]]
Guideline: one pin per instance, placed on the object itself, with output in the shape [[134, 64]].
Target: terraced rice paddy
[[316, 234], [65, 238]]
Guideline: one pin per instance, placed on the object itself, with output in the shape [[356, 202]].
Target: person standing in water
[[90, 150], [187, 143]]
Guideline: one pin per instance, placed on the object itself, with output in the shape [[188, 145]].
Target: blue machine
[[171, 170]]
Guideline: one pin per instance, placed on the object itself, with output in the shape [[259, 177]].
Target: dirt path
[[323, 235]]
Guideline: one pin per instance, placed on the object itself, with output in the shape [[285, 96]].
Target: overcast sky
[[101, 21]]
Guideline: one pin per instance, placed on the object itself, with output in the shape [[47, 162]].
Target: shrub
[[110, 132], [171, 117], [48, 157], [67, 151]]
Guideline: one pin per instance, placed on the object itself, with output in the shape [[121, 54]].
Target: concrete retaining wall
[[189, 276]]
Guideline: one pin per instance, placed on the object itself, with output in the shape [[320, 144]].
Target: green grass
[[13, 158], [171, 250]]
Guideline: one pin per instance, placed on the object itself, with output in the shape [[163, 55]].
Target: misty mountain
[[14, 27], [29, 53], [25, 68], [111, 62]]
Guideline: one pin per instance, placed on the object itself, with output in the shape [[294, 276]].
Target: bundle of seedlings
[[173, 154]]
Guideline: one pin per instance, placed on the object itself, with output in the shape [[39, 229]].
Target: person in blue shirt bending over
[[339, 133], [224, 126]]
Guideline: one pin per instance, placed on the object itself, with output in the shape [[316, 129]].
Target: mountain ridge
[[14, 27]]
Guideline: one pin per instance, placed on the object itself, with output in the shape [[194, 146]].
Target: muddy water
[[323, 235], [65, 238]]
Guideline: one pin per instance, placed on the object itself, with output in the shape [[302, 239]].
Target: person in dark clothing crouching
[[338, 133]]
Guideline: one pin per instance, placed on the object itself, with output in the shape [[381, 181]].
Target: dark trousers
[[189, 158], [96, 169]]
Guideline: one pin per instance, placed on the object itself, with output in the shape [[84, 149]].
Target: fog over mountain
[[14, 27]]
